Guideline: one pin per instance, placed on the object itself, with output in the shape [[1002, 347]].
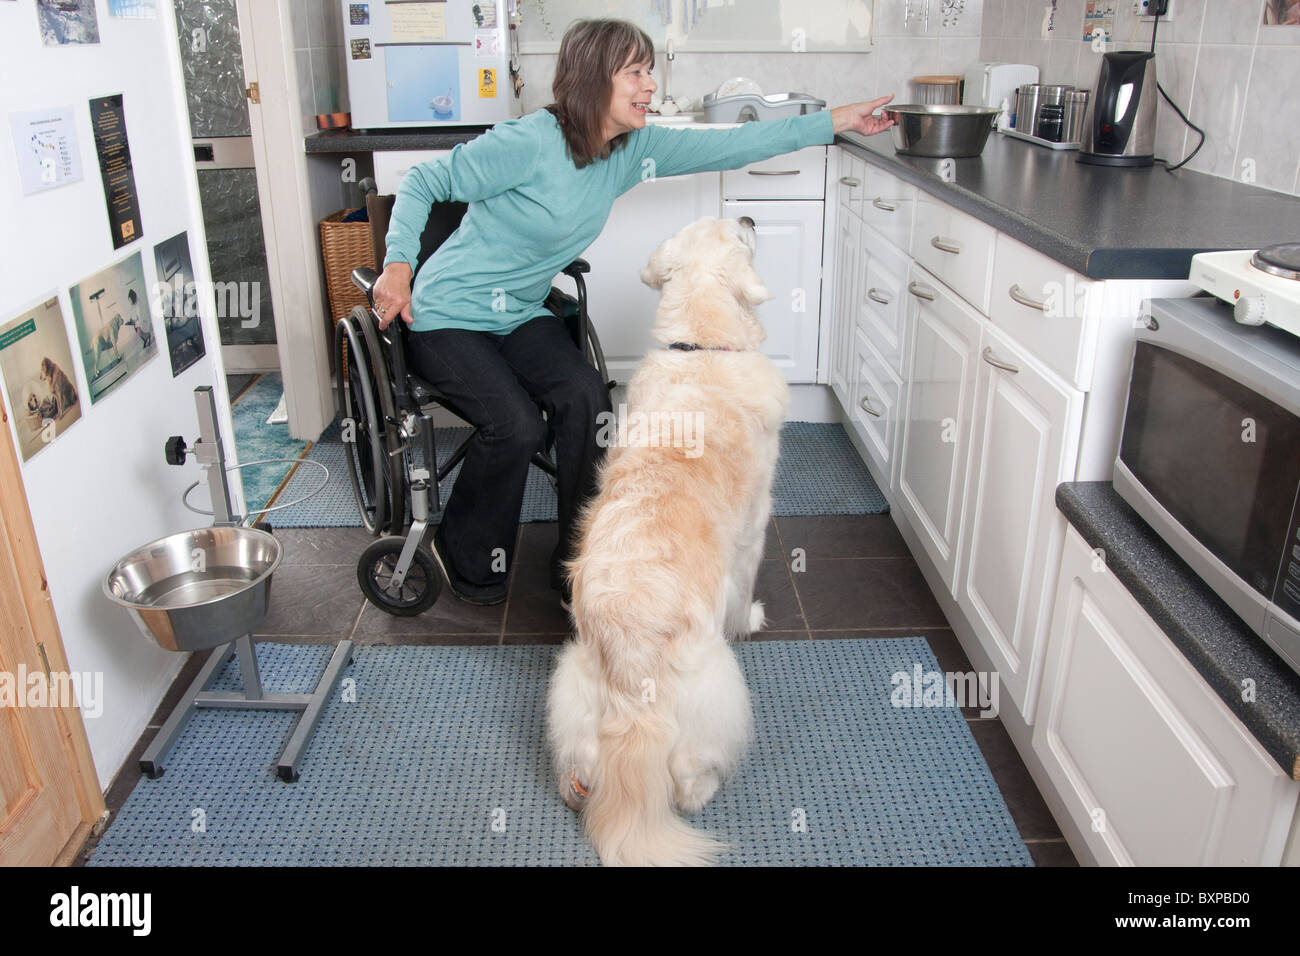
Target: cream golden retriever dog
[[648, 712]]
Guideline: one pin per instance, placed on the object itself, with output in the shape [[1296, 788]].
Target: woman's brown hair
[[591, 52]]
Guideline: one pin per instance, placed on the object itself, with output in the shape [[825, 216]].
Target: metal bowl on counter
[[940, 131]]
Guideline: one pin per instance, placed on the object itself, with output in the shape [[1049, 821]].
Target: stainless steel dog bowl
[[935, 130], [197, 589]]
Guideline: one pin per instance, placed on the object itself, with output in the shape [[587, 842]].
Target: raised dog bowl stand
[[209, 588]]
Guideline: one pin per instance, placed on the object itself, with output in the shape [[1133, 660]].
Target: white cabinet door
[[788, 258], [874, 412], [622, 307], [848, 270], [940, 389], [1151, 765], [1025, 439]]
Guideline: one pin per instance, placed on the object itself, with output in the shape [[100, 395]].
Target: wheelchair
[[384, 407]]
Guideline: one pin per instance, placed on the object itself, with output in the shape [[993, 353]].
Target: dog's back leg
[[744, 615], [714, 725], [573, 720]]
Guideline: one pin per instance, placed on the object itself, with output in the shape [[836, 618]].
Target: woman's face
[[633, 87]]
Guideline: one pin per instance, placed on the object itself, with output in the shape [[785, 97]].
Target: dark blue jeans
[[500, 384]]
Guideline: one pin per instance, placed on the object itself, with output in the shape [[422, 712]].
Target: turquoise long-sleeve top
[[532, 211]]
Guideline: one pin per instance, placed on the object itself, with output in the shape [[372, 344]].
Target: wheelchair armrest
[[365, 279], [577, 267]]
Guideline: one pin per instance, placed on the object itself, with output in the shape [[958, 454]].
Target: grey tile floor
[[316, 599]]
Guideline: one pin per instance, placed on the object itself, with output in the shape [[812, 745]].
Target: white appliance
[[991, 84], [422, 64], [1261, 285]]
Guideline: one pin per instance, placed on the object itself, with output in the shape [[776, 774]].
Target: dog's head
[[47, 370], [706, 273]]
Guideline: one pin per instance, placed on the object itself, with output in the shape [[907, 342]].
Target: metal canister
[[1050, 122], [1027, 100], [1076, 108]]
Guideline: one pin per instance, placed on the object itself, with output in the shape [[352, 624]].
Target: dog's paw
[[756, 617], [573, 792], [693, 793]]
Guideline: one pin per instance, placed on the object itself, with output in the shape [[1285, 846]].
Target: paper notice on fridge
[[418, 21], [46, 144]]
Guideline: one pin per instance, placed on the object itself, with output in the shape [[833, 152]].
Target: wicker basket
[[344, 247]]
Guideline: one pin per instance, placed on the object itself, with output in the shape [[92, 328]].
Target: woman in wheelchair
[[539, 189]]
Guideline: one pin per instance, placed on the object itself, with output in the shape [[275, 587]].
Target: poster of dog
[[176, 300], [1282, 13], [114, 322], [40, 381]]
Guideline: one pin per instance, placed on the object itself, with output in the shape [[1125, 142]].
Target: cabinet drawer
[[847, 188], [882, 302], [392, 165], [876, 390], [887, 206], [956, 247], [1046, 307], [797, 175]]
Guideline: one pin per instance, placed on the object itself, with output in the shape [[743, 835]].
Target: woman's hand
[[392, 294], [858, 118]]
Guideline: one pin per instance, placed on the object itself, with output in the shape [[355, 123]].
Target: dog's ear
[[749, 288], [663, 261]]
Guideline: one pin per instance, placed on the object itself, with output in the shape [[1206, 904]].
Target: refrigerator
[[430, 63]]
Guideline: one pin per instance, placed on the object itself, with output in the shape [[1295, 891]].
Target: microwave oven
[[1209, 456]]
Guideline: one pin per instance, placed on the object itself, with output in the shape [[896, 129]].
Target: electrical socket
[[1147, 9]]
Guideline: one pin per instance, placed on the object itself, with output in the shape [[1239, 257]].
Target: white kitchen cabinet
[[1025, 431], [846, 276], [797, 175], [788, 257], [955, 247], [1151, 765], [940, 391], [622, 306], [887, 206], [876, 391], [883, 299]]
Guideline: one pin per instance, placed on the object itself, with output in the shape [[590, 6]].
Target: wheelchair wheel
[[386, 423], [419, 590], [367, 462]]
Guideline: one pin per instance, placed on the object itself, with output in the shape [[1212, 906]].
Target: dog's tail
[[630, 816]]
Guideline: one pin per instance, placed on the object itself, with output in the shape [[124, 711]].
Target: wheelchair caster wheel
[[418, 591], [287, 775]]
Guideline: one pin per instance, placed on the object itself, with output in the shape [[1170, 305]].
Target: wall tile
[[306, 94], [300, 26], [1062, 58], [969, 24], [1279, 36], [1175, 66], [991, 21], [1270, 127], [1068, 22], [1217, 103], [890, 16], [1232, 21], [958, 53]]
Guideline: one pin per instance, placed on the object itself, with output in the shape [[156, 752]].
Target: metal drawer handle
[[920, 291], [881, 204], [875, 296], [997, 363], [774, 172], [942, 246], [866, 407], [850, 181], [1025, 300]]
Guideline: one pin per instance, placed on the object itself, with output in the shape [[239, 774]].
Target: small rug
[[819, 473], [256, 440], [439, 758]]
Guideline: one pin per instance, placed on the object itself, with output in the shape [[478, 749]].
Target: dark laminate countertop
[[351, 141], [1213, 639], [1107, 223]]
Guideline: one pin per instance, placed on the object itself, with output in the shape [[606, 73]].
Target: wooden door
[[49, 793]]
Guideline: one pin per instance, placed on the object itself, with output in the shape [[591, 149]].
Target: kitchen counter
[[1214, 640], [1104, 222], [351, 141]]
